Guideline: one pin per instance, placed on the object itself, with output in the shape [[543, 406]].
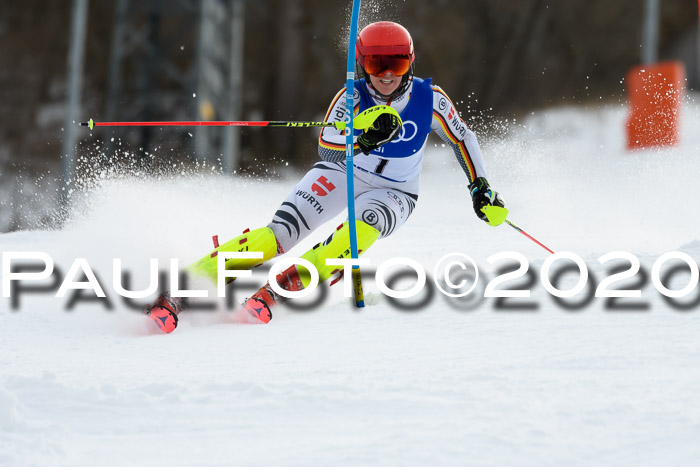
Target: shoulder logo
[[442, 104], [462, 131]]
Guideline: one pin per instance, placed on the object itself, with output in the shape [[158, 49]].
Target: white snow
[[452, 383]]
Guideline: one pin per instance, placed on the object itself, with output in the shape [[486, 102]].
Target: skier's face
[[385, 84]]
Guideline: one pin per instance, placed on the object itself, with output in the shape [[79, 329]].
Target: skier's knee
[[379, 217]]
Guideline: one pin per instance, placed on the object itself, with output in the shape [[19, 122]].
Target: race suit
[[386, 180]]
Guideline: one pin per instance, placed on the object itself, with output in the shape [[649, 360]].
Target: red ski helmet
[[386, 46]]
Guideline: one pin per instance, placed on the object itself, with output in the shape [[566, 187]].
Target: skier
[[387, 161]]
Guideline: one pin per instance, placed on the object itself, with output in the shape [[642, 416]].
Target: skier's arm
[[331, 142], [450, 127]]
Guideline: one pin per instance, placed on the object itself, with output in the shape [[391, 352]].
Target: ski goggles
[[379, 65]]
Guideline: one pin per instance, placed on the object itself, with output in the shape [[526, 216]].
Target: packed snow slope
[[443, 381]]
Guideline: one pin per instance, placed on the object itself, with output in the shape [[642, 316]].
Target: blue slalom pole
[[349, 143]]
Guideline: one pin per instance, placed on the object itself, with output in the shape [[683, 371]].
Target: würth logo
[[316, 188]]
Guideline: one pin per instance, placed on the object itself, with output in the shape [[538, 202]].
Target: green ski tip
[[495, 214]]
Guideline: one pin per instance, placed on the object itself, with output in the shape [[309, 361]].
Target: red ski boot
[[260, 304], [164, 312]]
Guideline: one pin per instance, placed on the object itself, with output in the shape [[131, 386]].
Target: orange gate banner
[[655, 95]]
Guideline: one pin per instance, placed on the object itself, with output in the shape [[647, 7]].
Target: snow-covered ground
[[447, 382]]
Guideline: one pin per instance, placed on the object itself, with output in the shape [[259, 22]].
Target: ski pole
[[497, 215], [339, 125], [527, 235], [362, 121]]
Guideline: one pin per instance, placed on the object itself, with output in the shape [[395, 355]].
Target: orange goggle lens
[[379, 65]]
